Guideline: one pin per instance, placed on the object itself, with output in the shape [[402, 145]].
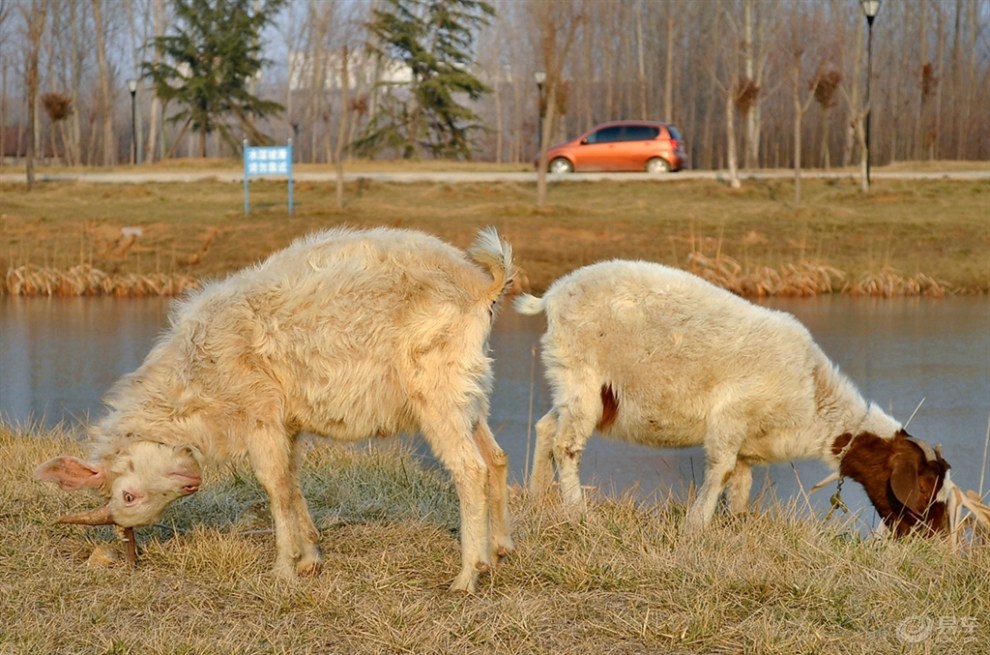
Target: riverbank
[[906, 237], [624, 582]]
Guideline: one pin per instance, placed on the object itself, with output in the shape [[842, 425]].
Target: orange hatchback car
[[648, 146]]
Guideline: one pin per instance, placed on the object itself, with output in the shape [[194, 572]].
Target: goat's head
[[905, 478], [140, 479]]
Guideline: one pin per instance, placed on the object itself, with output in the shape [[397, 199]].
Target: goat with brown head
[[657, 356], [906, 480]]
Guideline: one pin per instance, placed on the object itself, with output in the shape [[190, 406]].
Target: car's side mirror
[[584, 141]]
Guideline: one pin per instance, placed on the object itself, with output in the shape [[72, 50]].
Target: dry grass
[[911, 237], [625, 581]]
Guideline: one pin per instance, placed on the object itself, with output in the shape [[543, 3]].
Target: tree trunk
[[345, 100], [155, 116], [34, 17], [668, 82], [541, 176], [106, 93], [640, 63]]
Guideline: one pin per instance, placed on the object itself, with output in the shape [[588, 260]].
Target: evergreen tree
[[434, 39], [208, 65]]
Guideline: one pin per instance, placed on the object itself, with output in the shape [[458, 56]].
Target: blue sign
[[264, 161]]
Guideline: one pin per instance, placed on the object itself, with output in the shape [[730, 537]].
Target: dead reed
[[85, 280], [799, 279]]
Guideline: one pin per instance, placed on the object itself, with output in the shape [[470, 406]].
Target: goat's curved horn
[[930, 453], [98, 516], [827, 481]]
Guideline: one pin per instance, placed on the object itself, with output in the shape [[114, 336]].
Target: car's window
[[640, 133], [606, 135], [674, 134]]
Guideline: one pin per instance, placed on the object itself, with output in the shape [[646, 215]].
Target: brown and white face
[[920, 482], [906, 479], [141, 480]]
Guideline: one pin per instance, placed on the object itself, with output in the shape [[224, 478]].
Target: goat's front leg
[[722, 458], [273, 460]]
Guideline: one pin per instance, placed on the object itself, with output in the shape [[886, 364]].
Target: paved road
[[123, 177]]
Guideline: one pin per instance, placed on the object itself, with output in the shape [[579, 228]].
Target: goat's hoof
[[309, 568], [504, 549], [464, 583]]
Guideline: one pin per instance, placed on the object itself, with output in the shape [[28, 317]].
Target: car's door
[[599, 152], [638, 145]]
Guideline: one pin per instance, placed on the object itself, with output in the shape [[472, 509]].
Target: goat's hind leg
[[541, 475], [574, 427], [739, 486], [453, 444]]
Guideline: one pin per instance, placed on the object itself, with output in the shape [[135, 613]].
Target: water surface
[[58, 356]]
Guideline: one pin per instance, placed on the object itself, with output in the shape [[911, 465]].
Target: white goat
[[660, 357], [346, 334]]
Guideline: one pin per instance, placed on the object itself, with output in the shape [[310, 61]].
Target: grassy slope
[[624, 582], [937, 228]]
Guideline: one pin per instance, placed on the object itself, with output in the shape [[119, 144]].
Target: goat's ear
[[905, 482], [70, 473]]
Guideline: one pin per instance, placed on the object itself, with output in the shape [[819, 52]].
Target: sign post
[[266, 161]]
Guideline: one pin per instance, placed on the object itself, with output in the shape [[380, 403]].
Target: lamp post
[[870, 9], [540, 78], [132, 85]]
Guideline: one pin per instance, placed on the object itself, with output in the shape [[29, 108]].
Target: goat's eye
[[129, 497]]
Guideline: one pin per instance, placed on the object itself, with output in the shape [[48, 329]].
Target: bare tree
[[554, 26], [345, 102], [34, 14], [760, 26], [106, 92], [4, 13], [668, 78], [801, 48], [159, 22], [723, 70]]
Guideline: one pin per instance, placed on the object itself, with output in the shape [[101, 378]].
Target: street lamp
[[132, 85], [540, 78], [870, 9]]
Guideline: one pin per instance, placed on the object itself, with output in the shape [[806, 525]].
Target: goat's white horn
[[930, 454], [827, 481], [98, 516]]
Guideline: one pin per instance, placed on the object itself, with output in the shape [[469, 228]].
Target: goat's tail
[[529, 305], [495, 254]]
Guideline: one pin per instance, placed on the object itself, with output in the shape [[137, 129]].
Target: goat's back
[[672, 347], [335, 334]]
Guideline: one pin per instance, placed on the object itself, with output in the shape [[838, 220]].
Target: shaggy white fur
[[346, 334]]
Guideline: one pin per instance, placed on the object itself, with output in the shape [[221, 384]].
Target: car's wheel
[[657, 165], [561, 165]]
